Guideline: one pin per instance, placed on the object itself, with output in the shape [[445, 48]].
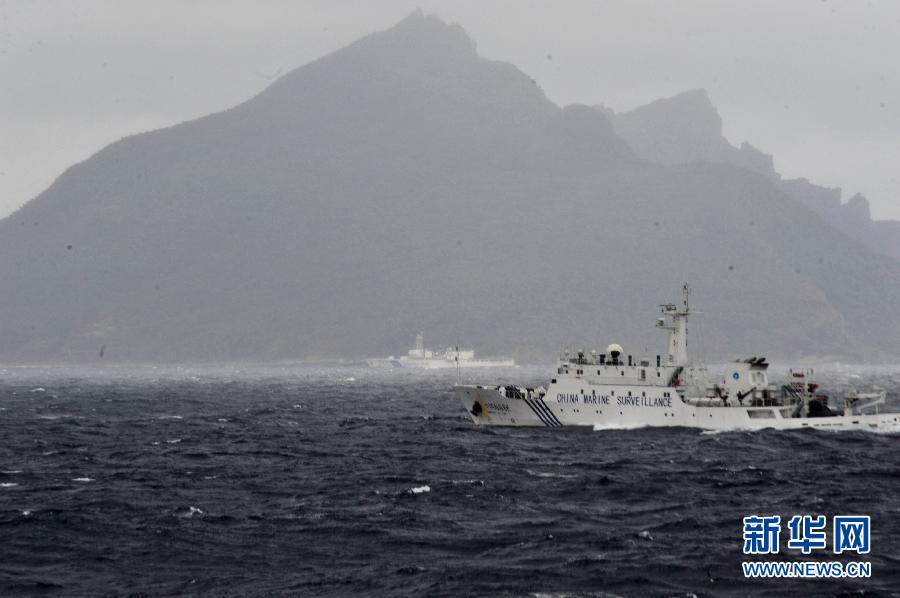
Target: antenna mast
[[678, 328]]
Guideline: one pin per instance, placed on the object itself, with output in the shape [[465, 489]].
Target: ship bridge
[[614, 367]]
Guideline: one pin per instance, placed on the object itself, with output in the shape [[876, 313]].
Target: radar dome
[[614, 350]]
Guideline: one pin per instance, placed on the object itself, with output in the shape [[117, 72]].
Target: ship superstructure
[[613, 390], [451, 357]]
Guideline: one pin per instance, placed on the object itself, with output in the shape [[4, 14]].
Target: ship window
[[553, 381], [629, 393], [658, 375], [623, 372], [643, 374], [559, 371], [643, 394], [598, 372], [612, 393], [579, 372]]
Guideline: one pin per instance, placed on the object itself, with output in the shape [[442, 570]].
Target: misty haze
[[405, 183], [388, 299]]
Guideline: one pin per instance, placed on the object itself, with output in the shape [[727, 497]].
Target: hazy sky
[[814, 82]]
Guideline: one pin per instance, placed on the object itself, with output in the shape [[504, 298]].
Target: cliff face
[[687, 128], [403, 184]]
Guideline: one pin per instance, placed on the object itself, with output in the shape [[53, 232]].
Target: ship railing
[[518, 392], [858, 403]]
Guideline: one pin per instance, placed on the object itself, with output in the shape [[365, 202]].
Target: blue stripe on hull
[[538, 413], [550, 415]]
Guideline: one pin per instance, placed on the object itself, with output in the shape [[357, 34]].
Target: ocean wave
[[552, 474], [506, 511]]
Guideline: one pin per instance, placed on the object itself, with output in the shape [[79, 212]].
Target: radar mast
[[677, 327]]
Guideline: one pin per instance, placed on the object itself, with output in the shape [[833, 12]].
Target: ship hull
[[440, 364], [487, 406]]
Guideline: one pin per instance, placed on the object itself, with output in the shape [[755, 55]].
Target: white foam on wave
[[26, 512], [603, 427], [730, 430], [173, 441], [8, 485], [547, 474], [84, 480], [193, 511], [420, 489], [38, 389], [883, 428], [889, 428], [10, 471]]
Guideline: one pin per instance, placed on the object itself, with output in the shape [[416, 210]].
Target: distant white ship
[[451, 357], [606, 390]]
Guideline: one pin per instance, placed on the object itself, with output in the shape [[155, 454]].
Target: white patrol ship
[[610, 391], [420, 357]]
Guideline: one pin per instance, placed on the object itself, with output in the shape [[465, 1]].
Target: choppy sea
[[314, 480]]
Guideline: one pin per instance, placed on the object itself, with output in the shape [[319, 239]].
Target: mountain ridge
[[687, 127], [404, 183]]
